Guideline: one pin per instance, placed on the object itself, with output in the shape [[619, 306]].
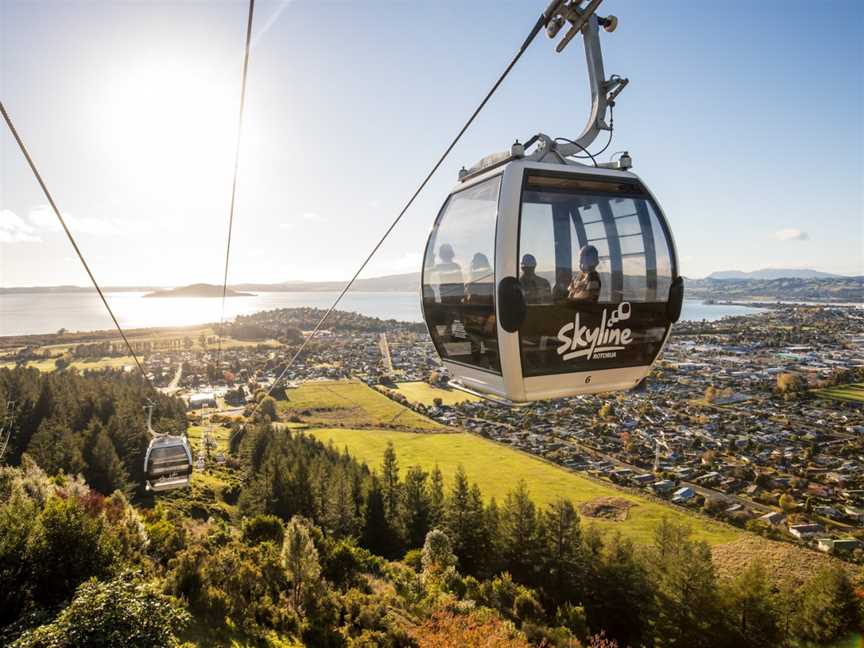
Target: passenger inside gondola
[[449, 274], [586, 284], [479, 288], [534, 287]]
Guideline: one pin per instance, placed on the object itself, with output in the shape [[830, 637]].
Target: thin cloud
[[14, 229], [44, 218], [791, 234]]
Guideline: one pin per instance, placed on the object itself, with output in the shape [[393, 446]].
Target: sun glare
[[170, 122]]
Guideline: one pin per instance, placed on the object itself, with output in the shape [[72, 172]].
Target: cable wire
[[72, 239], [541, 22], [236, 169]]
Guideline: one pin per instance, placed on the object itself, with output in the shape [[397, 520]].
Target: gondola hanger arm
[[604, 91]]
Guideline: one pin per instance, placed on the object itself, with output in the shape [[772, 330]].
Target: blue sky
[[744, 118]]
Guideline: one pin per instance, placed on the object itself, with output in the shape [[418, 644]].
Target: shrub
[[263, 528], [121, 612]]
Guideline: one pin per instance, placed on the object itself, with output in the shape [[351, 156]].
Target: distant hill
[[409, 282], [198, 290], [819, 289], [773, 273]]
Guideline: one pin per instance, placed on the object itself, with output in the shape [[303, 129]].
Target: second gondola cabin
[[546, 280], [168, 463]]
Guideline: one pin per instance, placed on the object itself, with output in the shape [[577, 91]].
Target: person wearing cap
[[586, 284], [535, 288]]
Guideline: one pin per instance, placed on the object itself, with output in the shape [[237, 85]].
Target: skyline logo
[[603, 341]]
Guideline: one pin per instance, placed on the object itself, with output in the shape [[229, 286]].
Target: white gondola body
[[168, 463], [528, 363]]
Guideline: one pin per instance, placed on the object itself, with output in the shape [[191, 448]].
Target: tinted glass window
[[459, 278], [591, 248]]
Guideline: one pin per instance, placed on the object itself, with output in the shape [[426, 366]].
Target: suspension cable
[[72, 240], [541, 22], [234, 182]]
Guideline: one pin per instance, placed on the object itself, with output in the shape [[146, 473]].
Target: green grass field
[[196, 434], [424, 393], [497, 469], [853, 392], [48, 364], [351, 403]]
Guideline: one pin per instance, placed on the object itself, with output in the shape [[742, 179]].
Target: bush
[[66, 547], [122, 612], [263, 528]]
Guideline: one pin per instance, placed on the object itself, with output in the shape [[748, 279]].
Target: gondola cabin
[[549, 280], [168, 463]]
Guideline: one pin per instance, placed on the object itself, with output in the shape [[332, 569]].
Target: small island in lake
[[198, 290]]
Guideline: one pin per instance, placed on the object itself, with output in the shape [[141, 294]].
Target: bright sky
[[744, 118]]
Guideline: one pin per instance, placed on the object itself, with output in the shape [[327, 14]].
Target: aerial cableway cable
[[72, 240], [540, 24], [236, 168]]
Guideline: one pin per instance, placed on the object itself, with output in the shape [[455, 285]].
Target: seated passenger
[[449, 274], [586, 284], [535, 288], [563, 277], [479, 289]]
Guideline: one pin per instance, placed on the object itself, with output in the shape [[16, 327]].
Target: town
[[746, 419]]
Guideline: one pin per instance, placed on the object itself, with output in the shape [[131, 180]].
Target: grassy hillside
[[853, 392], [352, 404], [425, 394], [497, 468]]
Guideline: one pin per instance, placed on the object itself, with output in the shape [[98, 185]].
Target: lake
[[31, 313]]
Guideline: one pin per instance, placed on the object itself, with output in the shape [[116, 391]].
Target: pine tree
[[300, 559], [104, 472], [520, 535], [390, 486], [436, 499], [685, 589], [377, 535], [458, 518], [564, 560], [752, 606], [417, 506], [56, 448]]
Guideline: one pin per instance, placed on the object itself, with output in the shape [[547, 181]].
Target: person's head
[[446, 252], [529, 264], [589, 259], [479, 262]]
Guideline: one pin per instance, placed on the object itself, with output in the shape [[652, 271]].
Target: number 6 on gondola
[[545, 280]]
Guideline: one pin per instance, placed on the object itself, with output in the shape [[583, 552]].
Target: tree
[[752, 607], [377, 536], [267, 409], [788, 503], [563, 557], [436, 498], [104, 472], [56, 448], [618, 595], [66, 546], [300, 559], [263, 528], [828, 606], [685, 589], [418, 506], [390, 486], [125, 611], [438, 554], [465, 524], [520, 535]]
